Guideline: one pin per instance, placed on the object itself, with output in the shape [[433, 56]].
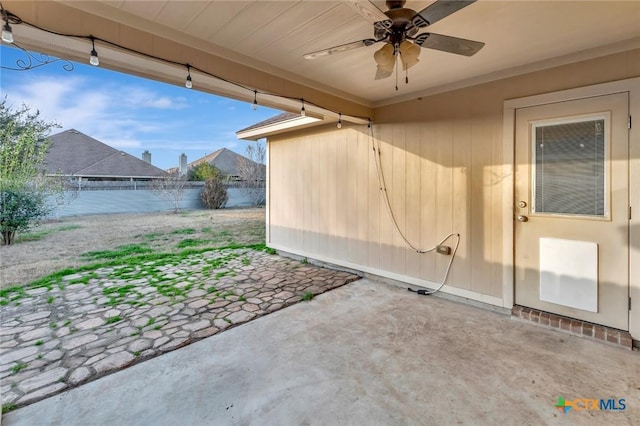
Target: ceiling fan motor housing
[[402, 23], [395, 4]]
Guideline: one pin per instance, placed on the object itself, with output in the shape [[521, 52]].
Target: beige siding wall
[[442, 159]]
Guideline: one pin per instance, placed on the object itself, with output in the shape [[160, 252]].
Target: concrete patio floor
[[366, 353]]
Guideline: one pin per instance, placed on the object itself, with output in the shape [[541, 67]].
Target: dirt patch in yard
[[61, 244]]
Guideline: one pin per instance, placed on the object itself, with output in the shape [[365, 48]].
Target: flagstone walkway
[[94, 323]]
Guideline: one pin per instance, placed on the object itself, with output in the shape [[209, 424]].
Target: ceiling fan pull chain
[[397, 72], [406, 76]]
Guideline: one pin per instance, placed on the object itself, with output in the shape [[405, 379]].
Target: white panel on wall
[[569, 273]]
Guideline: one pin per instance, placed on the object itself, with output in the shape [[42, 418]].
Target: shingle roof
[[223, 159], [76, 154], [285, 116]]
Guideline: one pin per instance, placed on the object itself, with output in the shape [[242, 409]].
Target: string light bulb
[[7, 35], [188, 83], [339, 120], [7, 19], [255, 100], [93, 59]]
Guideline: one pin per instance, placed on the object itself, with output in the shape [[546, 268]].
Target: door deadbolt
[[522, 218], [522, 204]]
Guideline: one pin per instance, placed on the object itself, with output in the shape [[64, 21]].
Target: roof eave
[[295, 123]]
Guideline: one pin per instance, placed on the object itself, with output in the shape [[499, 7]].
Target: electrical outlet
[[446, 250]]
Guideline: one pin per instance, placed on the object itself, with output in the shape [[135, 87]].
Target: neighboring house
[[225, 160], [549, 225], [84, 158], [110, 180]]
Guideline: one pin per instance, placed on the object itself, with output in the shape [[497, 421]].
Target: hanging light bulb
[[409, 53], [255, 100], [7, 35], [339, 121], [93, 59], [302, 111], [188, 83]]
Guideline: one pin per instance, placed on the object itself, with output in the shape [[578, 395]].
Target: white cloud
[[139, 97], [59, 100], [122, 143], [96, 108], [131, 116], [191, 145]]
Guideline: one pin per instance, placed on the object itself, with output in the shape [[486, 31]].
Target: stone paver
[[58, 337]]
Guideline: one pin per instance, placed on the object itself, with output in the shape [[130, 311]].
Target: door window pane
[[569, 168]]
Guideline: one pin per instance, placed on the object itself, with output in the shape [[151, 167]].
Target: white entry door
[[572, 209]]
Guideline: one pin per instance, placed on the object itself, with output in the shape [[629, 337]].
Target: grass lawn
[[84, 243]]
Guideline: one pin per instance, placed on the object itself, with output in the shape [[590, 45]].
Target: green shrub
[[20, 208]]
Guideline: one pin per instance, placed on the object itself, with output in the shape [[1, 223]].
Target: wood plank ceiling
[[275, 35]]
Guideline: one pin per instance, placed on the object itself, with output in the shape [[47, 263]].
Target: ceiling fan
[[398, 28]]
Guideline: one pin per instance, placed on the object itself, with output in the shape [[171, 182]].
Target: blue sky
[[130, 113]]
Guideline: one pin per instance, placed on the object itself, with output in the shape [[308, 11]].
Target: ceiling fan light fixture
[[409, 53], [382, 73], [385, 56]]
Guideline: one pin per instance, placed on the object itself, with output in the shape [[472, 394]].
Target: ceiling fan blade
[[370, 12], [438, 10], [341, 48], [449, 44]]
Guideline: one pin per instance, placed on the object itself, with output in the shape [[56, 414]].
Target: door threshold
[[601, 333]]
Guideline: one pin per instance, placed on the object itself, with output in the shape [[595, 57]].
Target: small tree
[[214, 194], [20, 207], [170, 189], [203, 172], [252, 173], [22, 188]]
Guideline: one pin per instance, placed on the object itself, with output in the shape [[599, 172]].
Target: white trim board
[[466, 294]]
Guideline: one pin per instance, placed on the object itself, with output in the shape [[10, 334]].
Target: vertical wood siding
[[442, 158], [325, 199]]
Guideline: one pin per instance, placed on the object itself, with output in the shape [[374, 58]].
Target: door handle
[[522, 218]]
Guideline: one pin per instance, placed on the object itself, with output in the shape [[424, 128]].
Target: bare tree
[[252, 172], [63, 189], [214, 193], [170, 188]]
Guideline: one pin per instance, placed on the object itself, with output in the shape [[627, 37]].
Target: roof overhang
[[287, 122], [260, 132], [260, 45]]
